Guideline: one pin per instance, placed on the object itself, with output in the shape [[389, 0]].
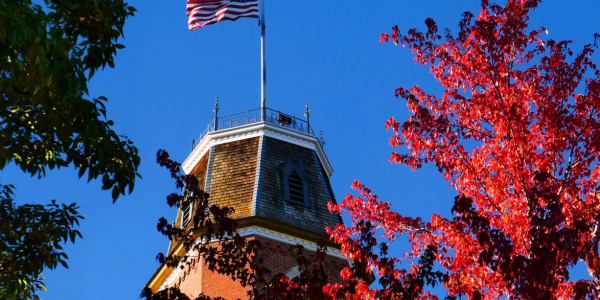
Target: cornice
[[288, 239], [256, 130], [251, 226], [265, 233]]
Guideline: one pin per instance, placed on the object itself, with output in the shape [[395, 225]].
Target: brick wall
[[276, 257], [232, 178]]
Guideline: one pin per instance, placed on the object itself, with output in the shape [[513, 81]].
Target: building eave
[[256, 130], [249, 227]]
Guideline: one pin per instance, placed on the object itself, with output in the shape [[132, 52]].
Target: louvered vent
[[295, 182], [296, 187], [186, 216]]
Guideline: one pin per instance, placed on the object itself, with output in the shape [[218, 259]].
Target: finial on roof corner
[[306, 111], [307, 115], [216, 107]]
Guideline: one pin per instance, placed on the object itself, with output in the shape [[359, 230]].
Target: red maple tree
[[516, 133]]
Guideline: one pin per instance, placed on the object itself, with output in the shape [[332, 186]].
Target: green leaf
[[64, 264], [131, 185], [115, 193], [82, 171], [47, 59]]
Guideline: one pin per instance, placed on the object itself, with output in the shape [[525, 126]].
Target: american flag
[[206, 12]]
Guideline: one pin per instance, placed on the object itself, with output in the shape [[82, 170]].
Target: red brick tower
[[276, 176]]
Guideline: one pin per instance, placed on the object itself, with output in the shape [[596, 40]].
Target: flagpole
[[263, 62]]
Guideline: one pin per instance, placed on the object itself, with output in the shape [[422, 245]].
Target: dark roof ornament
[[307, 115], [216, 110], [216, 107], [306, 111]]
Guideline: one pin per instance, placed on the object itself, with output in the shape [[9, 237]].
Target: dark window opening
[[295, 182], [188, 211], [186, 215], [296, 187]]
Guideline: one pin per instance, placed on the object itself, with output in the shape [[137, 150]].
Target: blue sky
[[328, 53]]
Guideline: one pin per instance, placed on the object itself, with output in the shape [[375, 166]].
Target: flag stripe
[[206, 12], [192, 8], [229, 10], [220, 2], [221, 12], [217, 18]]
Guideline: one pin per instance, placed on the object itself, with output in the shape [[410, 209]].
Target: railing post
[[307, 115], [216, 110], [322, 140]]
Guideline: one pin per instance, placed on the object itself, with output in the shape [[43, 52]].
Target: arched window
[[295, 182]]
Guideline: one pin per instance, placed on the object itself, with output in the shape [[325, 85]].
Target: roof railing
[[254, 116]]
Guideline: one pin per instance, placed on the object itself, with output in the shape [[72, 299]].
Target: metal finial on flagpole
[[263, 62], [216, 110], [307, 115]]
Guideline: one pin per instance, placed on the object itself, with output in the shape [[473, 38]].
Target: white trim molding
[[256, 130], [288, 239], [174, 274], [262, 232], [257, 177]]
